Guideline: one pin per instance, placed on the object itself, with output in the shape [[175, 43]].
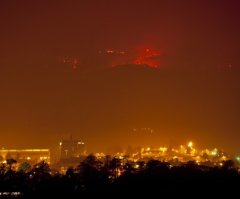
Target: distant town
[[71, 152]]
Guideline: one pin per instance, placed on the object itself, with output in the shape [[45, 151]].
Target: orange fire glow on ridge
[[114, 57], [148, 57]]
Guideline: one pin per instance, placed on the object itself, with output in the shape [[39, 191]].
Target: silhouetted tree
[[128, 167], [141, 164], [10, 163], [107, 161], [3, 168], [24, 167], [41, 169], [191, 165], [91, 161], [91, 174], [153, 164], [115, 165], [70, 172], [228, 164], [92, 178]]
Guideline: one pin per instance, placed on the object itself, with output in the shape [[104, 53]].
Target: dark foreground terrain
[[92, 178]]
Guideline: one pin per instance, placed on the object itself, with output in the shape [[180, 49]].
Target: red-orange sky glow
[[99, 69]]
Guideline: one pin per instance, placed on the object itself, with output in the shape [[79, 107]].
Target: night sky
[[62, 73]]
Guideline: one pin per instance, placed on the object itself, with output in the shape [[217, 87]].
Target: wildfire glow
[[148, 57]]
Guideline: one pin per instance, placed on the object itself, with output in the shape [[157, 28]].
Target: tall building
[[71, 148]]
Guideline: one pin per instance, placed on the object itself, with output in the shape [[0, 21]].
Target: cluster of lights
[[111, 51], [183, 153], [81, 143]]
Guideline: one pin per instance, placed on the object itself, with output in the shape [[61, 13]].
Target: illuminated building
[[32, 156], [70, 153]]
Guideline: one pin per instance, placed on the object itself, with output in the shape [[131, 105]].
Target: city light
[[214, 152], [190, 144], [80, 142], [32, 155], [74, 149], [24, 150]]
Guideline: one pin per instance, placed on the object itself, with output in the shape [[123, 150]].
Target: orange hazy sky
[[192, 95]]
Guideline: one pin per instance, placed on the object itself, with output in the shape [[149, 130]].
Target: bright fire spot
[[149, 57]]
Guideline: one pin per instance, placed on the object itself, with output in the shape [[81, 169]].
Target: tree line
[[112, 178]]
